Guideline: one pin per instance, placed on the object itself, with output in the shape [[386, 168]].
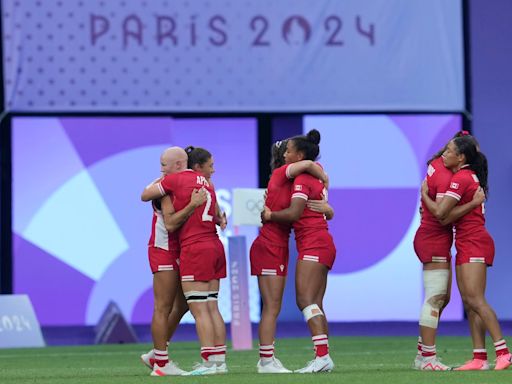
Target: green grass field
[[369, 360]]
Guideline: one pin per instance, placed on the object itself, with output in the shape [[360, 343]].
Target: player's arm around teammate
[[475, 247], [321, 206], [269, 253], [163, 250], [314, 244], [432, 245], [174, 220], [202, 260]]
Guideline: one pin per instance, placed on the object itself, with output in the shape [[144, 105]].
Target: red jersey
[[308, 187], [438, 181], [463, 186], [159, 237], [200, 226], [278, 198]]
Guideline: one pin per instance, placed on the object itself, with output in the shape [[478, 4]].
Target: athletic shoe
[[433, 364], [221, 367], [169, 369], [417, 361], [503, 362], [148, 359], [474, 365], [271, 366], [200, 369], [319, 364]]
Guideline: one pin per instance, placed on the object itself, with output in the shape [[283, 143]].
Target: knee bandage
[[196, 296], [311, 311], [213, 295], [435, 283]]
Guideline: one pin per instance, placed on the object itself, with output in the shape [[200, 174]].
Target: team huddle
[[187, 258]]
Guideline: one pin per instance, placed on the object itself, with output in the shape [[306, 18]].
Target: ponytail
[[475, 159], [480, 167]]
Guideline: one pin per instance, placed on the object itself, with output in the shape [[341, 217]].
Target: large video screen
[[376, 164], [225, 55], [80, 231]]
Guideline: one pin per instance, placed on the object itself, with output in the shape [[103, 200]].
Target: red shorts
[[268, 259], [163, 260], [478, 248], [433, 246], [203, 261], [319, 249]]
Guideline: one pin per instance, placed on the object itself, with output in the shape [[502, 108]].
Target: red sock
[[480, 354], [266, 351], [321, 343], [219, 353], [206, 352], [161, 357], [419, 345], [428, 350], [501, 348]]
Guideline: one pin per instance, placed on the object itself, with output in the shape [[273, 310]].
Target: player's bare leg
[[271, 290], [477, 329], [179, 309], [472, 282], [219, 328], [310, 278], [310, 285], [164, 290], [218, 321], [196, 294], [165, 285]]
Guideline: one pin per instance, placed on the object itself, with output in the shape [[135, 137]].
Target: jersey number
[[206, 216]]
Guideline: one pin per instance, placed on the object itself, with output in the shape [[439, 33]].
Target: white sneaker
[[221, 367], [148, 359], [433, 364], [271, 366], [418, 361], [202, 369], [319, 364], [169, 369]]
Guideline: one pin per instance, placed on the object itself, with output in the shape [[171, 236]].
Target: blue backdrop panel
[[223, 55]]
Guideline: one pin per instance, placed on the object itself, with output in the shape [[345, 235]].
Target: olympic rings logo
[[254, 206]]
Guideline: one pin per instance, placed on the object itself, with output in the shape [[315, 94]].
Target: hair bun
[[189, 149], [313, 136]]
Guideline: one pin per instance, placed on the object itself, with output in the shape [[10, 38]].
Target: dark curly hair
[[308, 144]]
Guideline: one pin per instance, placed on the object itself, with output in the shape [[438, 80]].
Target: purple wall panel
[[491, 60]]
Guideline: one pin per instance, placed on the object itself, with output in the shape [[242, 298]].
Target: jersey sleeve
[[442, 183], [458, 185], [301, 188], [168, 184], [288, 168]]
